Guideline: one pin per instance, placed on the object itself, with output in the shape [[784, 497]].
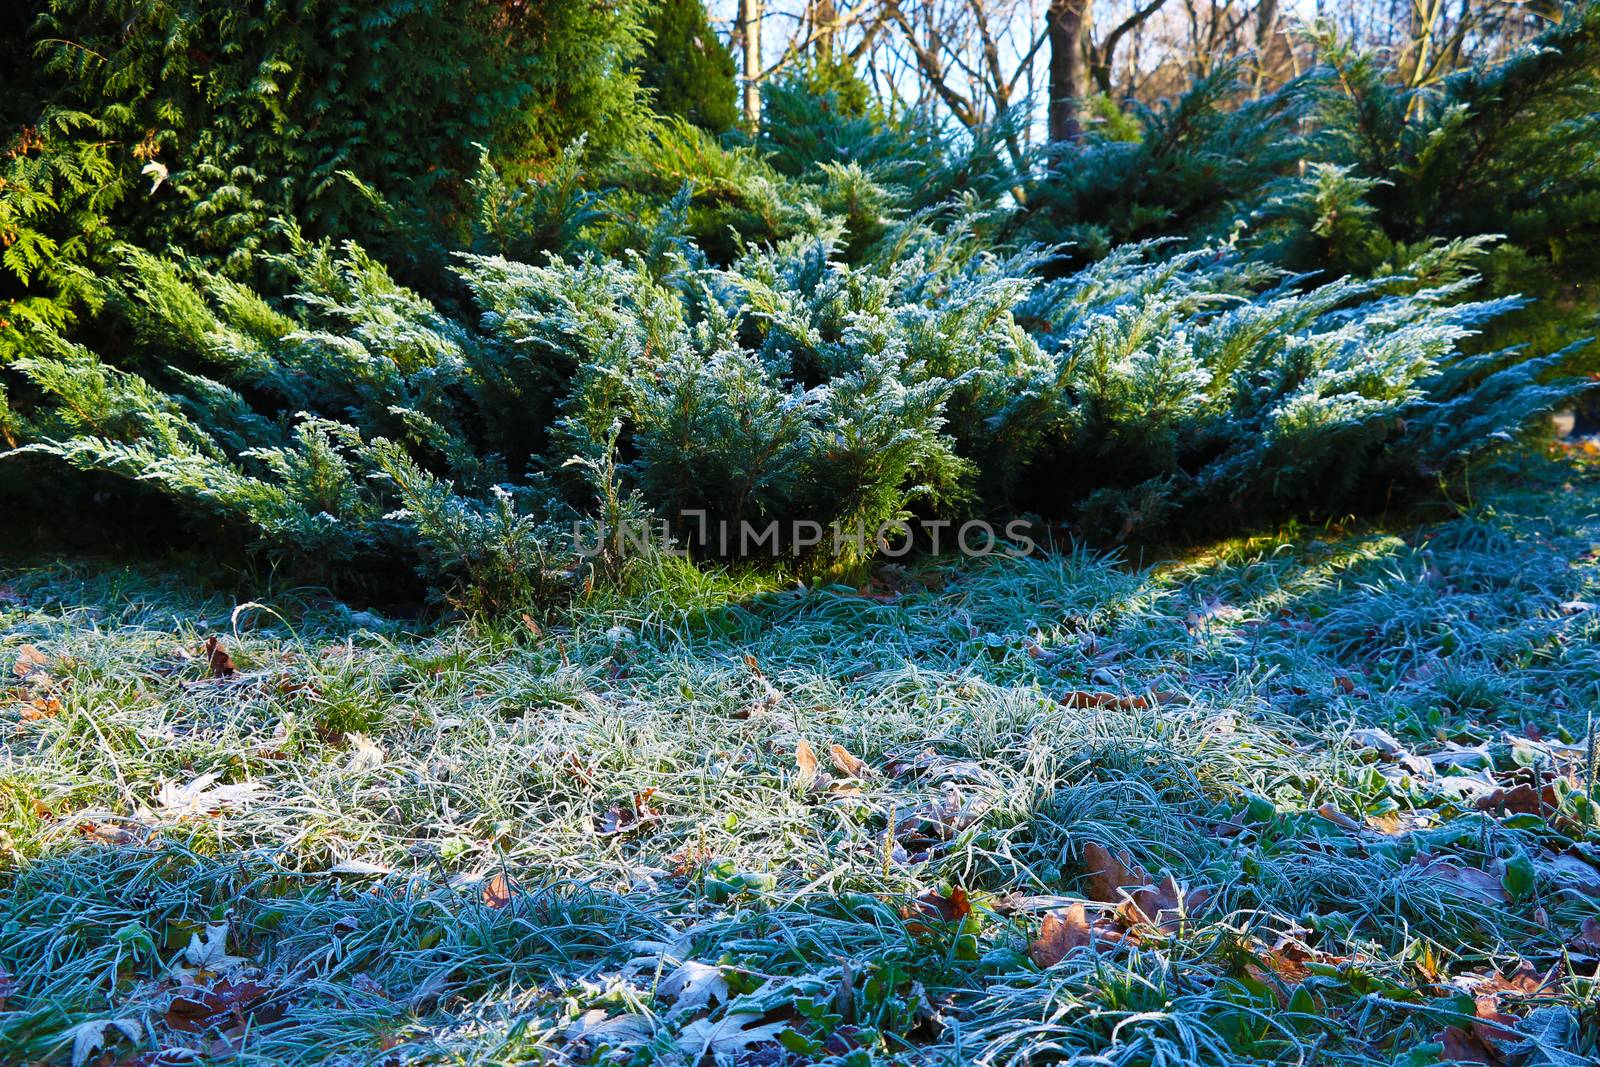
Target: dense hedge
[[852, 318]]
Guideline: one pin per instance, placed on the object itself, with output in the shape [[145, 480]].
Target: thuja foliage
[[1346, 170], [1252, 308], [190, 126], [1507, 149], [357, 422], [687, 68]]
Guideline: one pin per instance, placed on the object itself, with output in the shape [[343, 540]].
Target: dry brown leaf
[[1589, 935], [218, 660], [121, 833], [42, 708], [1062, 931], [1392, 824], [1289, 956], [1109, 875], [1117, 879], [1462, 1046], [30, 661], [1079, 698], [195, 1009], [1329, 811], [619, 819], [1523, 799], [805, 761], [1574, 872], [1065, 929], [1465, 881], [934, 905], [1525, 981], [1164, 904], [847, 764], [498, 891]]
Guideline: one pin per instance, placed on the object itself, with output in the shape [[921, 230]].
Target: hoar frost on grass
[[1311, 797]]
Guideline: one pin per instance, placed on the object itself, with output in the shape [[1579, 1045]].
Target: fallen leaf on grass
[[1380, 741], [92, 1036], [1572, 872], [30, 662], [1524, 981], [217, 659], [694, 986], [726, 1036], [1588, 938], [944, 908], [200, 797], [208, 956], [8, 986], [1109, 875], [196, 1009], [1117, 879], [928, 826], [620, 820], [365, 754], [1462, 881], [1079, 698], [805, 761], [847, 764], [42, 708], [597, 1028], [1330, 811], [1289, 958], [360, 868], [1462, 1046], [115, 831], [1523, 799], [1066, 929], [498, 891]]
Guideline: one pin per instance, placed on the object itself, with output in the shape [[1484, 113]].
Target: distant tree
[[687, 68]]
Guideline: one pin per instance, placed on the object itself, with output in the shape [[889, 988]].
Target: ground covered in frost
[[1312, 797]]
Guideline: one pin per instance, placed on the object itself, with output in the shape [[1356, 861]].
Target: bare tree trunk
[[1266, 27], [750, 12], [825, 21], [1068, 23], [1102, 57]]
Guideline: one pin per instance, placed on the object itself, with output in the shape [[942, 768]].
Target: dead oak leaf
[[39, 709], [1065, 930], [933, 906], [1463, 1046], [1083, 699], [1522, 799], [1289, 957], [1117, 879], [1329, 811], [1110, 874], [1164, 904]]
